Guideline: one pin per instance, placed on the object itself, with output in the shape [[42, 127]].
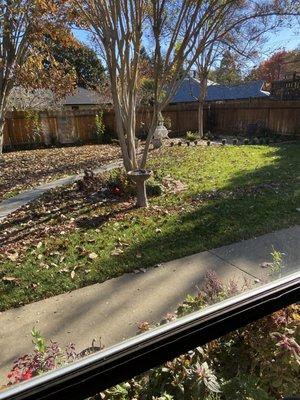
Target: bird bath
[[139, 177]]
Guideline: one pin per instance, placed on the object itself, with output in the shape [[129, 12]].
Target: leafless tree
[[178, 31]]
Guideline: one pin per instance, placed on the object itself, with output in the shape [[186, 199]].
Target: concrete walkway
[[113, 309], [11, 205]]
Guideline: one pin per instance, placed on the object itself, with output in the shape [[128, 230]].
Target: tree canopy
[[88, 67], [280, 65], [228, 71]]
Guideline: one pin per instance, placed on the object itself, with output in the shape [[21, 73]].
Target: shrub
[[191, 136], [208, 135], [154, 188], [100, 127], [259, 361], [44, 358], [119, 183], [34, 125]]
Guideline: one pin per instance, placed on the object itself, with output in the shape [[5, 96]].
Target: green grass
[[244, 191]]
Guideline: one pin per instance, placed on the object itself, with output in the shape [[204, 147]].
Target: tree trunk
[[141, 194], [1, 138], [203, 91], [200, 119]]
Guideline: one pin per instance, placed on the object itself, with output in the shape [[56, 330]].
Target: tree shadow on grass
[[269, 204]]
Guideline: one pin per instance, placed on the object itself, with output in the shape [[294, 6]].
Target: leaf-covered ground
[[68, 239], [26, 169]]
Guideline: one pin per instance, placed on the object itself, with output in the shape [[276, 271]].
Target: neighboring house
[[189, 91], [84, 99], [41, 99]]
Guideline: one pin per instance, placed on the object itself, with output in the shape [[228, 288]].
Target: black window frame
[[132, 357]]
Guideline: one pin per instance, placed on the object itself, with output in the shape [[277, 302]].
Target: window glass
[[259, 361]]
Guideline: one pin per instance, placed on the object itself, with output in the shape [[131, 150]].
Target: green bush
[[191, 136], [100, 127], [154, 188]]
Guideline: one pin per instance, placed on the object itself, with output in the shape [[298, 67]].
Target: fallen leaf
[[93, 256], [116, 252], [10, 279], [13, 257]]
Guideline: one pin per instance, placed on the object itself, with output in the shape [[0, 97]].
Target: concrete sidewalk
[[11, 205], [113, 309]]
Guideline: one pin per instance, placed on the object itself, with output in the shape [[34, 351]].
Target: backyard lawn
[[68, 239]]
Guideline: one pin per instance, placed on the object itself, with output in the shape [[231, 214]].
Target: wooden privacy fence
[[234, 117]]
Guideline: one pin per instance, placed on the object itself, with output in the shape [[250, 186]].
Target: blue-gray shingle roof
[[190, 89]]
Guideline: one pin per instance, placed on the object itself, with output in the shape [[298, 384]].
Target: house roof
[[190, 89], [83, 96]]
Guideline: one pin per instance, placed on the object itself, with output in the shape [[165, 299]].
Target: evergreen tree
[[88, 67], [228, 72]]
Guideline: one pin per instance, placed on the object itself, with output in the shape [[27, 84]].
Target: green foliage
[[100, 127], [277, 263], [154, 188], [33, 124], [191, 136], [228, 72], [260, 361], [244, 387], [38, 341], [208, 135], [88, 67]]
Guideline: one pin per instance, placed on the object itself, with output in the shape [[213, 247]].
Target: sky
[[285, 38]]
